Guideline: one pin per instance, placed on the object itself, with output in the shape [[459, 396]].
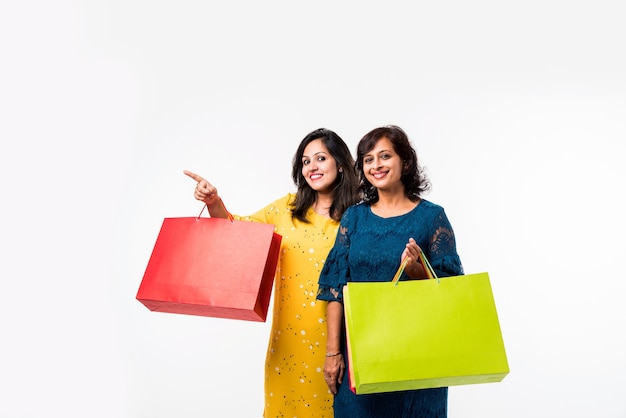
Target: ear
[[340, 169]]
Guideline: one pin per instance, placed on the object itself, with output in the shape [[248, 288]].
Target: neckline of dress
[[311, 211], [369, 207]]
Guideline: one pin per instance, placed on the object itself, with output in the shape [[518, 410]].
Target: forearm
[[334, 320], [217, 209]]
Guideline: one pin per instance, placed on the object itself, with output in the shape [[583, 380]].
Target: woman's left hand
[[414, 268]]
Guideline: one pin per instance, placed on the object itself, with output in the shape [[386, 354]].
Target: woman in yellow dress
[[323, 172]]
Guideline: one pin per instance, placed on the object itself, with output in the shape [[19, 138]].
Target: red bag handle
[[230, 217]]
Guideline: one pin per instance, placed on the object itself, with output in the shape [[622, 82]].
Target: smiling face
[[319, 168], [383, 166]]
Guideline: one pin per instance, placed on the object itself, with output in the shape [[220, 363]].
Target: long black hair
[[413, 176], [346, 191]]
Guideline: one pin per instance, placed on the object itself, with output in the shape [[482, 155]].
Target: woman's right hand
[[334, 369], [335, 365], [205, 191]]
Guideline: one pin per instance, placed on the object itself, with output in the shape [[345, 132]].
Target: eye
[[306, 162], [385, 156], [367, 160], [321, 158]]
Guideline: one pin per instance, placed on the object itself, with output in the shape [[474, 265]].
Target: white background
[[517, 109]]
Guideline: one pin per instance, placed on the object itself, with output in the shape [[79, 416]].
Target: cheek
[[332, 175], [332, 171]]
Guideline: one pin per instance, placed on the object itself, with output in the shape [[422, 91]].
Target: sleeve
[[336, 272], [269, 213], [441, 252]]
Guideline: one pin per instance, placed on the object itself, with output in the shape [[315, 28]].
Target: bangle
[[333, 354]]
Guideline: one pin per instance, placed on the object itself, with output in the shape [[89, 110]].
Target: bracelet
[[333, 354]]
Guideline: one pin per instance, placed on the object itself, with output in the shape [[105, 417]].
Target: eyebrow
[[317, 153], [378, 152]]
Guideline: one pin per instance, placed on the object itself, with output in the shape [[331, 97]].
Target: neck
[[392, 204], [323, 202], [392, 198]]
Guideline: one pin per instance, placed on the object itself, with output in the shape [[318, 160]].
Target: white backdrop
[[518, 112]]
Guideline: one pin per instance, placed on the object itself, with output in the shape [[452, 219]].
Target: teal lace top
[[368, 248]]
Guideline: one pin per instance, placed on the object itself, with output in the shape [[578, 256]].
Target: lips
[[379, 175]]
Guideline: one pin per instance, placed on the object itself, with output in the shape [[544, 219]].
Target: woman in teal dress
[[393, 222]]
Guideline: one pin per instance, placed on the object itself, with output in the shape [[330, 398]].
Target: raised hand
[[414, 268], [205, 191]]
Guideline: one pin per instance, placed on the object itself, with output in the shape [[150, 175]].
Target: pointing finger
[[194, 176]]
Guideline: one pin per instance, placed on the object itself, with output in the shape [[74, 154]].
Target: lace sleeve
[[335, 273], [442, 248]]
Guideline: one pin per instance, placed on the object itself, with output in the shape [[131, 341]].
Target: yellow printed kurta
[[294, 378]]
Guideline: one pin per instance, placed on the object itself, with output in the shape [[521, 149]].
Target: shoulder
[[274, 212], [283, 202], [435, 213], [355, 211], [427, 205], [428, 211], [288, 198], [358, 208]]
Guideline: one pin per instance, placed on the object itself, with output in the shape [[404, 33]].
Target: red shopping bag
[[213, 267]]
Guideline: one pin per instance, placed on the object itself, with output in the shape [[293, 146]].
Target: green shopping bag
[[422, 334]]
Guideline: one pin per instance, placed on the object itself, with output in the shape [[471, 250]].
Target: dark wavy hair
[[346, 189], [413, 176]]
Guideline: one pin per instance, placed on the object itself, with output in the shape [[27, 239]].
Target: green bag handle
[[430, 272]]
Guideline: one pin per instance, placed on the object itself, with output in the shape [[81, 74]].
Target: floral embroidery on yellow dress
[[294, 379]]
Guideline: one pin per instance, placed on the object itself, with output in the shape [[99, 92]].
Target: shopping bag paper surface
[[423, 334], [211, 267]]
